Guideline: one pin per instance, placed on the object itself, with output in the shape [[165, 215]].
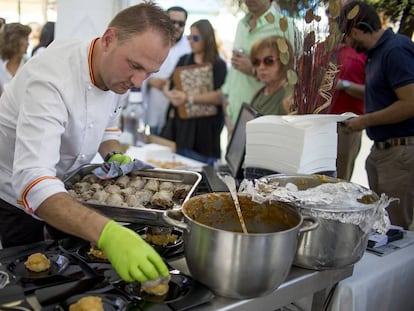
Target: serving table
[[299, 283], [380, 283]]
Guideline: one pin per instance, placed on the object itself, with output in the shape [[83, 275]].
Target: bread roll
[[37, 262], [88, 303], [158, 287]]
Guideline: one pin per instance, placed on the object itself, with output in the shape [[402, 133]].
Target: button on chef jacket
[[60, 119]]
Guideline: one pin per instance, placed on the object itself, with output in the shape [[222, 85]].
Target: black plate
[[58, 264], [110, 302], [83, 251], [179, 286], [163, 250]]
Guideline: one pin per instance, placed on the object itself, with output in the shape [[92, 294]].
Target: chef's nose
[[138, 77]]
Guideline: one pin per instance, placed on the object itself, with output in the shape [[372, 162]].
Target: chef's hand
[[121, 158], [132, 258]]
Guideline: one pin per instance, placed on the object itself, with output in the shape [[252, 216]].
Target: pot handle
[[170, 217], [314, 224]]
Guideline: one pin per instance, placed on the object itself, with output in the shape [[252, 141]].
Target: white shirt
[[52, 121], [5, 75], [154, 100]]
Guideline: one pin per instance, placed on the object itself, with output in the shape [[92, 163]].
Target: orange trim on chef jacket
[[113, 130], [28, 188], [90, 55]]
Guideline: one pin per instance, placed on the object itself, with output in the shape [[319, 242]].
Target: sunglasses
[[178, 23], [267, 61], [194, 38]]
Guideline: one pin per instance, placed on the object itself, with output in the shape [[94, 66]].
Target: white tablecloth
[[379, 283]]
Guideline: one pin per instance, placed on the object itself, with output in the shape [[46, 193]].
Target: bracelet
[[110, 154], [190, 99]]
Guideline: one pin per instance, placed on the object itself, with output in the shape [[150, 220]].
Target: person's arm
[[242, 63], [354, 89], [400, 110], [209, 98], [109, 146], [68, 215], [111, 151], [157, 83], [132, 258]]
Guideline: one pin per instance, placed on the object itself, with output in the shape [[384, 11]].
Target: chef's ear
[[108, 37]]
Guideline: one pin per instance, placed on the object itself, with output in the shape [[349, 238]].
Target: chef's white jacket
[[52, 121]]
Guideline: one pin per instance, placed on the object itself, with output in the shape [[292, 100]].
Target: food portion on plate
[[158, 237], [88, 303], [96, 253], [158, 287], [37, 262]]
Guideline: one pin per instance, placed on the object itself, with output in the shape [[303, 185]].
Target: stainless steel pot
[[334, 244], [229, 262]]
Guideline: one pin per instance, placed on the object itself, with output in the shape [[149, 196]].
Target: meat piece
[[96, 252], [133, 200], [163, 199], [181, 191], [144, 196], [128, 191], [81, 187], [90, 179], [122, 181], [96, 187], [88, 303], [87, 195], [136, 182], [100, 196], [37, 262], [152, 185], [73, 193], [158, 287], [162, 239], [115, 199], [167, 185], [113, 189]]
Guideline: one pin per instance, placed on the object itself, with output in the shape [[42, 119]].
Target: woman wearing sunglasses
[[265, 57], [198, 138]]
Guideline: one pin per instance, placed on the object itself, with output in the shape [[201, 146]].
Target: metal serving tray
[[152, 215]]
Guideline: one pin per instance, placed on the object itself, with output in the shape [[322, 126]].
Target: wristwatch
[[110, 154], [345, 84]]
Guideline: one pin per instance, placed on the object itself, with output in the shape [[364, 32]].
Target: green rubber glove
[[121, 158], [132, 258]]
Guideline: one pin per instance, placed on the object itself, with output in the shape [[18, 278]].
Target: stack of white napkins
[[293, 144]]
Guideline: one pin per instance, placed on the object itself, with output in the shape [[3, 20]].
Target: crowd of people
[[74, 109]]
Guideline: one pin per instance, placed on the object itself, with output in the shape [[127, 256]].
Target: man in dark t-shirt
[[389, 107]]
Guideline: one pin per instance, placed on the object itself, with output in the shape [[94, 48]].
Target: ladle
[[231, 185]]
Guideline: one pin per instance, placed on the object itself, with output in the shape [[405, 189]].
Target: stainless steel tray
[[151, 215]]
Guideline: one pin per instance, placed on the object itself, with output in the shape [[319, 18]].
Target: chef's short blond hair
[[139, 18]]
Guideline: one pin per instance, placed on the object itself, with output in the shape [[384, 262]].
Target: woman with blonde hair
[[271, 67]]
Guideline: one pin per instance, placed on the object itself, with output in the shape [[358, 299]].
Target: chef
[[58, 111]]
